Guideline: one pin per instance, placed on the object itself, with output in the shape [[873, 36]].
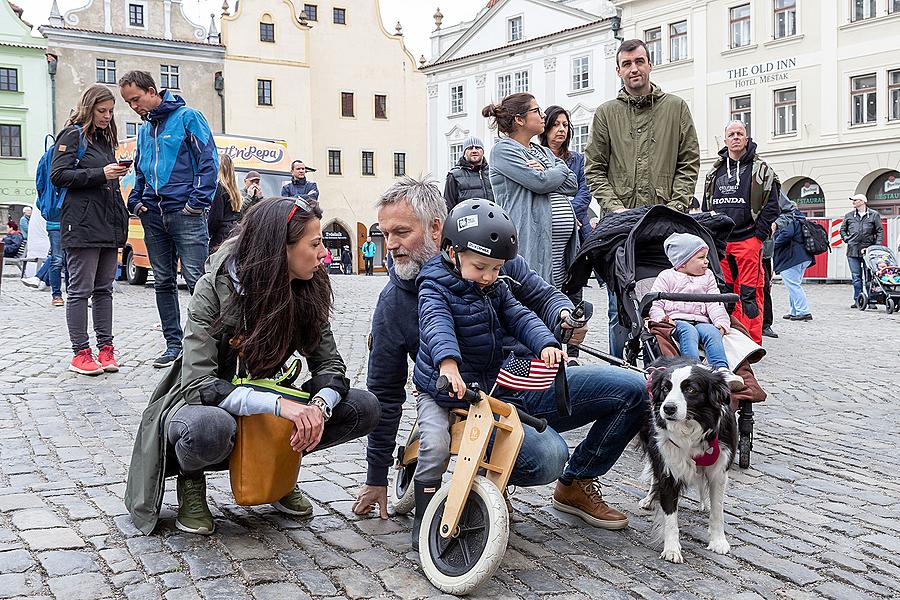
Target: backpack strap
[[82, 147]]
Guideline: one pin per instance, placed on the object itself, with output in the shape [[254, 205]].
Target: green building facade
[[25, 109]]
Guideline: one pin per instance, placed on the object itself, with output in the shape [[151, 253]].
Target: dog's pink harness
[[709, 458]]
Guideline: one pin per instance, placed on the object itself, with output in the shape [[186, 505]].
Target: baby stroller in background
[[874, 290], [627, 251]]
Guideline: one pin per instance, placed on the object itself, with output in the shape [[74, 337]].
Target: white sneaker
[[735, 382], [32, 282], [42, 286]]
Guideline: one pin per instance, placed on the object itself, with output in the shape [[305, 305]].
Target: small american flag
[[524, 374]]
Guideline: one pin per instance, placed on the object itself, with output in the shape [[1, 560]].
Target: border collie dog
[[690, 440]]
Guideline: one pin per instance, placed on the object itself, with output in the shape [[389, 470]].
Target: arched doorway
[[380, 250], [809, 196], [336, 238], [884, 194]]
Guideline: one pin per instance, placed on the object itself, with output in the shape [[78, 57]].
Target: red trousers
[[743, 270]]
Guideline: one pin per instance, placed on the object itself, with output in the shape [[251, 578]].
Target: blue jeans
[[689, 337], [57, 258], [856, 272], [617, 334], [612, 400], [792, 278], [171, 237]]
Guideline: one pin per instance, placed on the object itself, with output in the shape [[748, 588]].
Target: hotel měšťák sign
[[764, 72]]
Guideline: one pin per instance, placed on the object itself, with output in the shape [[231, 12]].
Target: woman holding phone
[[93, 224]]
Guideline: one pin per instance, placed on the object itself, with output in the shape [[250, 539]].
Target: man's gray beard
[[410, 270]]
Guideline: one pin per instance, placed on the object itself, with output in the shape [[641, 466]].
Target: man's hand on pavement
[[368, 497]]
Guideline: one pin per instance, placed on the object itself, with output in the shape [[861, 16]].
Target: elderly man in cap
[[861, 228], [470, 178], [252, 192]]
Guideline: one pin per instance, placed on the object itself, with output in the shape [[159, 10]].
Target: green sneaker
[[193, 512], [294, 504]]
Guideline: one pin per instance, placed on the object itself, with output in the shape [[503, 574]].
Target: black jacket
[[466, 181], [93, 214], [222, 218], [861, 232]]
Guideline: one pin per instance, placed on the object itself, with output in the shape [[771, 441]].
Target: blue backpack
[[50, 198]]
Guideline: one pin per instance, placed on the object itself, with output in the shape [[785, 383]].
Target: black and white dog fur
[[690, 407]]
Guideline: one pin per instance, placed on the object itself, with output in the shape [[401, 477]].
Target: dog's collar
[[709, 458]]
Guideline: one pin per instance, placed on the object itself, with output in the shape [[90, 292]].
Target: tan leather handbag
[[263, 466]]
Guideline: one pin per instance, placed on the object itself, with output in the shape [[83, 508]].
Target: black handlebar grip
[[443, 387], [539, 424], [471, 396]]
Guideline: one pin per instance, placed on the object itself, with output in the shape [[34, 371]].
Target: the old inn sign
[[765, 72]]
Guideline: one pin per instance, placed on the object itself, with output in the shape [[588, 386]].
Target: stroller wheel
[[862, 302], [890, 305]]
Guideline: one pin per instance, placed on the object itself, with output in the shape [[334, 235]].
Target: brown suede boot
[[582, 498]]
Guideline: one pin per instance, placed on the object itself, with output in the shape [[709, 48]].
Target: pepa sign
[[764, 72]]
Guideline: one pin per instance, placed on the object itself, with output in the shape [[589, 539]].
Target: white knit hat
[[681, 247]]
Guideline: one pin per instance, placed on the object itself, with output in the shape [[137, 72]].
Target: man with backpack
[[861, 228], [742, 186], [176, 168], [791, 258]]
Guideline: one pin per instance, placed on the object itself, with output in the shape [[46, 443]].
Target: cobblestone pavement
[[815, 516]]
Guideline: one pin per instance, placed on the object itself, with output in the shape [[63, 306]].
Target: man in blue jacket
[[299, 186], [612, 400], [176, 167]]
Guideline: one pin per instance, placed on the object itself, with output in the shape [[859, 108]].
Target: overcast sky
[[414, 15]]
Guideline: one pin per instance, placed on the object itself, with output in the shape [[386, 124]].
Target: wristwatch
[[323, 406]]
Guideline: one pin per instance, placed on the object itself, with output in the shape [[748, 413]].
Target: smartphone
[[125, 162]]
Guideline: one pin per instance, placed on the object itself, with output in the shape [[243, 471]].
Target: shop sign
[[886, 188], [335, 235], [765, 72], [17, 191]]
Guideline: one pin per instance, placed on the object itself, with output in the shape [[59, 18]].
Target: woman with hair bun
[[534, 186]]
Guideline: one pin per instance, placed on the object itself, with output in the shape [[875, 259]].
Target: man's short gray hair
[[424, 196], [737, 122]]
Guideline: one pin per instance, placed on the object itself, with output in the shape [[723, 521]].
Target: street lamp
[[219, 86]]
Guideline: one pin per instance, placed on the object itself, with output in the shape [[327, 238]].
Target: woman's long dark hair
[[274, 316], [550, 117]]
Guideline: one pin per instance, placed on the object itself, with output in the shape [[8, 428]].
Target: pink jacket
[[673, 282]]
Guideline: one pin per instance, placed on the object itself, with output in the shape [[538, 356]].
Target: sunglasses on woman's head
[[304, 205]]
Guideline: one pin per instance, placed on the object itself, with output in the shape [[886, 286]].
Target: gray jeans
[[202, 437], [91, 275], [434, 439]]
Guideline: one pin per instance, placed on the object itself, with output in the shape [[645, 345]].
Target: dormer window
[[136, 15], [266, 29], [514, 29]]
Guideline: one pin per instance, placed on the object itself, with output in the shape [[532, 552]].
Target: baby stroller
[[879, 286], [626, 249]]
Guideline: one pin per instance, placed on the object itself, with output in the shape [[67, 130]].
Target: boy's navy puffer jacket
[[459, 320]]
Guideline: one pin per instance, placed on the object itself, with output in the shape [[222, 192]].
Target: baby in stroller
[[887, 272], [695, 323]]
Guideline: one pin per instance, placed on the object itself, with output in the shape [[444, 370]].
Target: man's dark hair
[[295, 162], [139, 79], [631, 45]]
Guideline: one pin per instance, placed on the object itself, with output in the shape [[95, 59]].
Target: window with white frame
[[863, 99], [514, 29], [399, 164], [457, 101], [9, 79], [785, 18], [11, 141], [741, 110], [581, 73], [739, 19], [862, 9], [678, 49], [653, 41], [504, 86], [894, 94], [368, 162], [579, 137], [168, 77], [520, 81], [106, 71], [456, 152], [334, 162], [786, 111]]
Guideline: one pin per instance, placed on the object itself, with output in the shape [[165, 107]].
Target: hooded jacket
[[790, 247], [300, 188], [466, 181], [202, 374], [747, 191], [461, 321], [176, 161], [643, 150], [395, 340], [93, 214]]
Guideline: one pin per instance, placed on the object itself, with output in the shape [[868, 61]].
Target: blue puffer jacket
[[459, 320], [176, 162], [790, 249], [303, 188]]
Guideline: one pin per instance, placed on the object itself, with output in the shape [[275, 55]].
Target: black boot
[[424, 493]]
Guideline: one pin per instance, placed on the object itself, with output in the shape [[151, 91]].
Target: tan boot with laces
[[583, 499]]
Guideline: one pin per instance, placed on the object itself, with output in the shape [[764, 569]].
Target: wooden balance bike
[[465, 528]]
